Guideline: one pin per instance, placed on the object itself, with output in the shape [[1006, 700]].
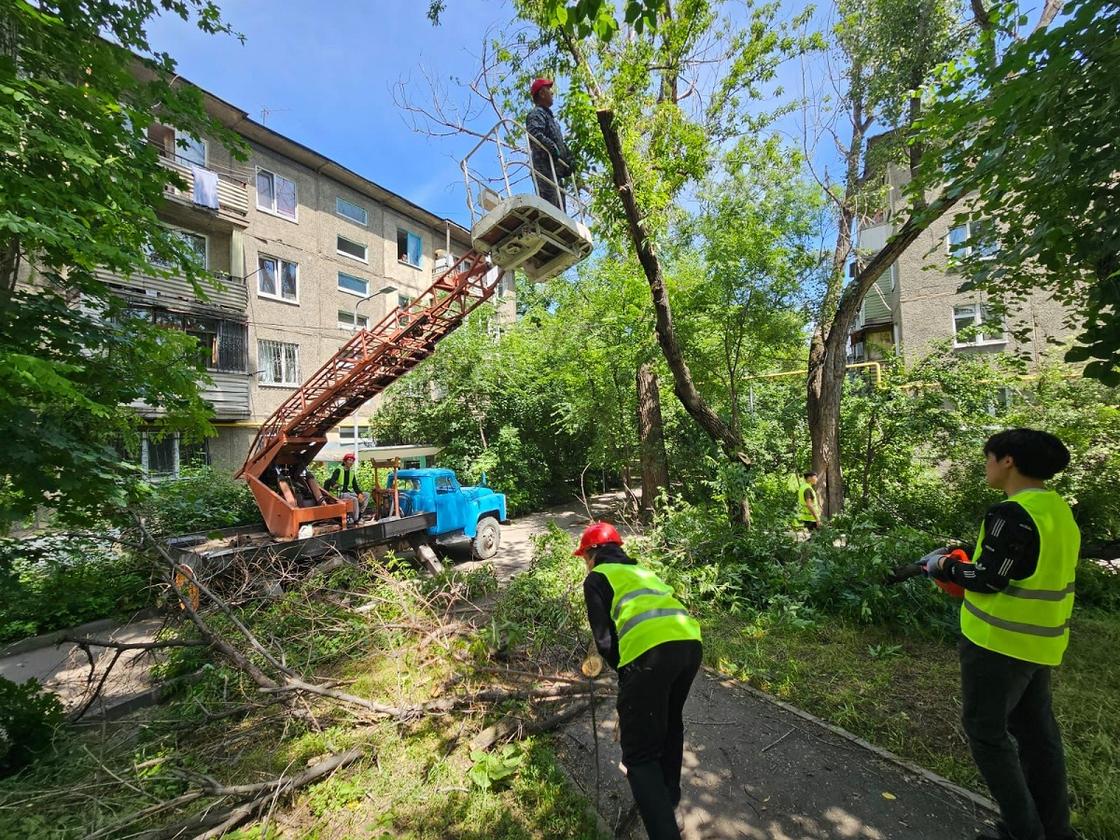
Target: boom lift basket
[[510, 220]]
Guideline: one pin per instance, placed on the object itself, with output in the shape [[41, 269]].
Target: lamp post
[[384, 290]]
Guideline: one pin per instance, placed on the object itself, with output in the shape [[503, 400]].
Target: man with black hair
[[647, 635], [808, 510], [1018, 596]]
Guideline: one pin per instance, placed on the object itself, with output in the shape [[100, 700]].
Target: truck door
[[451, 513]]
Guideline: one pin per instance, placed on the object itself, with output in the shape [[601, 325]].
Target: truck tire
[[487, 539]]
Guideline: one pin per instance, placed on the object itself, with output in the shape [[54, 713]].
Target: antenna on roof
[[265, 111]]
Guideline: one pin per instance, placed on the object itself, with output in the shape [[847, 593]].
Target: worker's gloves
[[905, 572], [930, 561]]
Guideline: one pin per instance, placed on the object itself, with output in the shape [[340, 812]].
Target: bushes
[[51, 581], [201, 499], [29, 718]]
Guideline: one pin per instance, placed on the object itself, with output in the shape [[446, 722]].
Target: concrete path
[[66, 670], [757, 771]]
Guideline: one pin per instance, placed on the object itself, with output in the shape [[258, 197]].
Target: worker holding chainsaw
[[647, 635], [1018, 588]]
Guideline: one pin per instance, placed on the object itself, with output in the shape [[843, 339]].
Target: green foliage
[[201, 499], [29, 718], [53, 582], [1024, 133], [79, 87], [496, 769]]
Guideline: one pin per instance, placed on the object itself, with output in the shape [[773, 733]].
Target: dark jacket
[[1009, 551], [349, 481], [599, 595], [544, 128]]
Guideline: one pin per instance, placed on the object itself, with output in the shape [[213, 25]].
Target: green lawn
[[903, 693]]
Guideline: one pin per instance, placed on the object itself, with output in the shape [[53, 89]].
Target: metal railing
[[516, 174]]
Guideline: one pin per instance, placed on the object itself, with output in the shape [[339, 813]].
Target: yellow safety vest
[[644, 611], [1029, 620], [804, 514]]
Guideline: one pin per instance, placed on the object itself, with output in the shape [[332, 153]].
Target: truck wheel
[[487, 539]]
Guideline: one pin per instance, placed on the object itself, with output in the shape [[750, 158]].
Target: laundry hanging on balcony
[[205, 187]]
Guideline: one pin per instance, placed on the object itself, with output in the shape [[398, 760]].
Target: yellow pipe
[[877, 365]]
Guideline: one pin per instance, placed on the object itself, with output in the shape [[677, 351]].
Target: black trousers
[[548, 190], [651, 694], [1015, 741]]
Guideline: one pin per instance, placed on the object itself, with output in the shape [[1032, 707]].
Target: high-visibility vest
[[644, 611], [347, 481], [804, 514], [1029, 619]]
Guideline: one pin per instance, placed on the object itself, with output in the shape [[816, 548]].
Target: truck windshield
[[407, 484]]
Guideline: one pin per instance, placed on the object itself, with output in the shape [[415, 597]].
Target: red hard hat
[[538, 84], [595, 535], [349, 456]]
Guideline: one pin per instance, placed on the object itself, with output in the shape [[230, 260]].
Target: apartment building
[[307, 251], [916, 305]]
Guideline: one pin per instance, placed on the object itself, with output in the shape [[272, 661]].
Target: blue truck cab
[[462, 513]]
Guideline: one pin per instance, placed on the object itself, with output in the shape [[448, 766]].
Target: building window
[[165, 456], [403, 302], [346, 433], [197, 243], [975, 325], [351, 211], [352, 285], [181, 147], [278, 279], [350, 248], [346, 320], [276, 194], [409, 248], [278, 362], [971, 239]]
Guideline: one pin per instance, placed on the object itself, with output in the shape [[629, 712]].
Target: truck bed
[[210, 549]]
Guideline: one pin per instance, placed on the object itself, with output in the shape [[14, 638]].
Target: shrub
[[53, 581], [202, 498], [29, 718]]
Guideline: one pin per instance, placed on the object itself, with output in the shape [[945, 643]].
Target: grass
[[413, 779], [902, 692]]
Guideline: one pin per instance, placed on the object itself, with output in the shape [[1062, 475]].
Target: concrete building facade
[[917, 305], [307, 251]]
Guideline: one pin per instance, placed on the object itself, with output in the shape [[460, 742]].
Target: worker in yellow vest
[[647, 635], [1018, 596], [808, 508]]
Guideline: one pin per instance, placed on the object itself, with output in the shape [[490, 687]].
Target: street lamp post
[[385, 290]]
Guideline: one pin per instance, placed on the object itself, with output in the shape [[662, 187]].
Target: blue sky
[[327, 68]]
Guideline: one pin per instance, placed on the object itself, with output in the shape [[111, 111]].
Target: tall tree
[[79, 188], [886, 49], [1041, 115]]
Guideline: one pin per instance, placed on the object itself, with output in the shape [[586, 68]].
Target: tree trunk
[[683, 385], [655, 466]]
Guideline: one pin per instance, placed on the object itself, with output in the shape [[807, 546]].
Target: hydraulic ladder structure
[[511, 228], [374, 358]]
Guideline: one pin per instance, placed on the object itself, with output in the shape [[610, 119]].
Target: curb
[[55, 636], [99, 713], [886, 755]]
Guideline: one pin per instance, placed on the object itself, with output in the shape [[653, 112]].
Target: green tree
[[79, 86], [1037, 120]]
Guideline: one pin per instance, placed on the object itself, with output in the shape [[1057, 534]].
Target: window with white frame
[[278, 362], [181, 147], [346, 433], [350, 248], [974, 324], [278, 279], [347, 320], [971, 239], [351, 211], [276, 194], [409, 247], [352, 285]]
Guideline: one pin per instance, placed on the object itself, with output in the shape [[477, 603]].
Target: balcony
[[176, 293], [233, 189], [229, 395]]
